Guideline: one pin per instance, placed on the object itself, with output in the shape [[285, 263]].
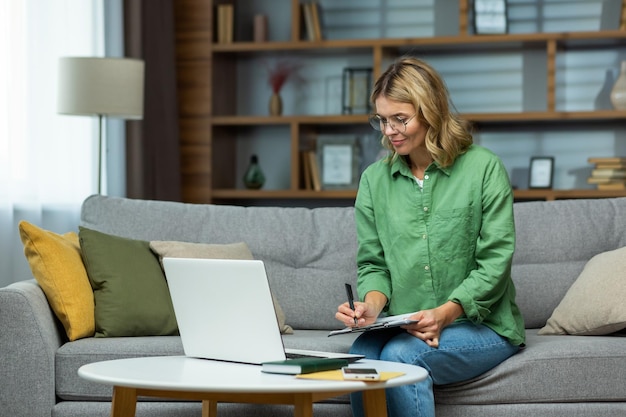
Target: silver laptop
[[225, 311]]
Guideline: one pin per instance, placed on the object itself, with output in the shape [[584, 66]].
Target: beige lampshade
[[111, 87]]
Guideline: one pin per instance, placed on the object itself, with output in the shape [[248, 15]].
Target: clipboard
[[386, 323]]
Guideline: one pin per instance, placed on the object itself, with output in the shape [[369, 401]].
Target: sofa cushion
[[130, 291], [71, 356], [594, 305], [56, 263], [175, 249], [552, 369]]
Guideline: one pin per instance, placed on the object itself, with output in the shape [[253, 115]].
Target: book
[[608, 173], [610, 166], [608, 183], [614, 185], [607, 160], [597, 180], [307, 12], [303, 365], [225, 16], [315, 20], [306, 171], [315, 171], [381, 323], [230, 22]]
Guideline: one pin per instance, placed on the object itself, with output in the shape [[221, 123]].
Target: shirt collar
[[400, 166]]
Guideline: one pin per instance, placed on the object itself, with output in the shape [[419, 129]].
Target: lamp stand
[[100, 153]]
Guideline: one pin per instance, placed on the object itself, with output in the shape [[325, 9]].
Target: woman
[[436, 237]]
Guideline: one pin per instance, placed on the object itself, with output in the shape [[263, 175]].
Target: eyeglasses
[[395, 122]]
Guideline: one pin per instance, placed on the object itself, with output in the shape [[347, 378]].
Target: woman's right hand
[[346, 315], [365, 312]]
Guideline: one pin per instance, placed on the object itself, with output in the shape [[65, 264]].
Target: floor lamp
[[103, 87]]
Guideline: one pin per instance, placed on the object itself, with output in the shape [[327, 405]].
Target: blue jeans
[[465, 351]]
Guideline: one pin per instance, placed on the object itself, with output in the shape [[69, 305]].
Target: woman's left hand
[[432, 322]]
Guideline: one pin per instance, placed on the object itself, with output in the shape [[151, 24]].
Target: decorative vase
[[603, 99], [254, 177], [618, 93], [276, 105]]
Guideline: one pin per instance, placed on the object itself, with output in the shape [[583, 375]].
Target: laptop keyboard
[[294, 355]]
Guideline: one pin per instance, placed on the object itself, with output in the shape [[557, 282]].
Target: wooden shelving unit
[[208, 116]]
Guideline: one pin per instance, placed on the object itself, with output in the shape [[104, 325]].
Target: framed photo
[[338, 161], [490, 17], [541, 172], [355, 90]]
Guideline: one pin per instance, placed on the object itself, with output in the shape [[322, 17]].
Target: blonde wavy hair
[[410, 80]]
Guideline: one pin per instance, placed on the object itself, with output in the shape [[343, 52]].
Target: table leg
[[303, 405], [209, 408], [124, 402], [375, 403]]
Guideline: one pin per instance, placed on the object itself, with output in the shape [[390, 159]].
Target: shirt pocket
[[452, 235]]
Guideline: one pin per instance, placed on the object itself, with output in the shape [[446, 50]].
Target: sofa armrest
[[30, 334]]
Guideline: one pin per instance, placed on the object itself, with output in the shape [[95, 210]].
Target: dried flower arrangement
[[280, 72]]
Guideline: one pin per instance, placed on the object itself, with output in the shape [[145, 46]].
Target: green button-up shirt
[[453, 240]]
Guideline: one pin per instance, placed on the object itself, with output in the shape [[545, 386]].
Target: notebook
[[225, 311]]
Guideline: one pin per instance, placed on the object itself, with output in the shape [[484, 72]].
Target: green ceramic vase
[[254, 177]]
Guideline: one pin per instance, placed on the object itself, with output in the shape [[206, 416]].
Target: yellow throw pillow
[[56, 263]]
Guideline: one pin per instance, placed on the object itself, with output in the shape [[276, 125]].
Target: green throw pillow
[[130, 290]]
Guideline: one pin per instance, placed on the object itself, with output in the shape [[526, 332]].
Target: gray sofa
[[309, 254]]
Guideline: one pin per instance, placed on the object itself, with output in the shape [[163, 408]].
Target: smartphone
[[360, 374]]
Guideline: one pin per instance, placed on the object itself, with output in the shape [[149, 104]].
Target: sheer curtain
[[47, 161]]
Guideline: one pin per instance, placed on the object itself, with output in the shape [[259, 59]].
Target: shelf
[[535, 194], [282, 194], [550, 195], [521, 117], [548, 116], [287, 120], [449, 43]]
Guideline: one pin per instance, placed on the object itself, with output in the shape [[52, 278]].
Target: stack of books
[[608, 173]]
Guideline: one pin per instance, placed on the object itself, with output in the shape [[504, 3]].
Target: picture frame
[[355, 90], [490, 17], [541, 173], [338, 160]]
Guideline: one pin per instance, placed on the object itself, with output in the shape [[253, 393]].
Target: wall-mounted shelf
[[522, 195], [519, 195]]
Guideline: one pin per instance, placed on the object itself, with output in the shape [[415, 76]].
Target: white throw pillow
[[594, 304], [240, 250]]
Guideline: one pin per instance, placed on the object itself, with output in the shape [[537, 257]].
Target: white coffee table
[[213, 381]]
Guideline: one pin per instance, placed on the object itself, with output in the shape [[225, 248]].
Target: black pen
[[351, 301]]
